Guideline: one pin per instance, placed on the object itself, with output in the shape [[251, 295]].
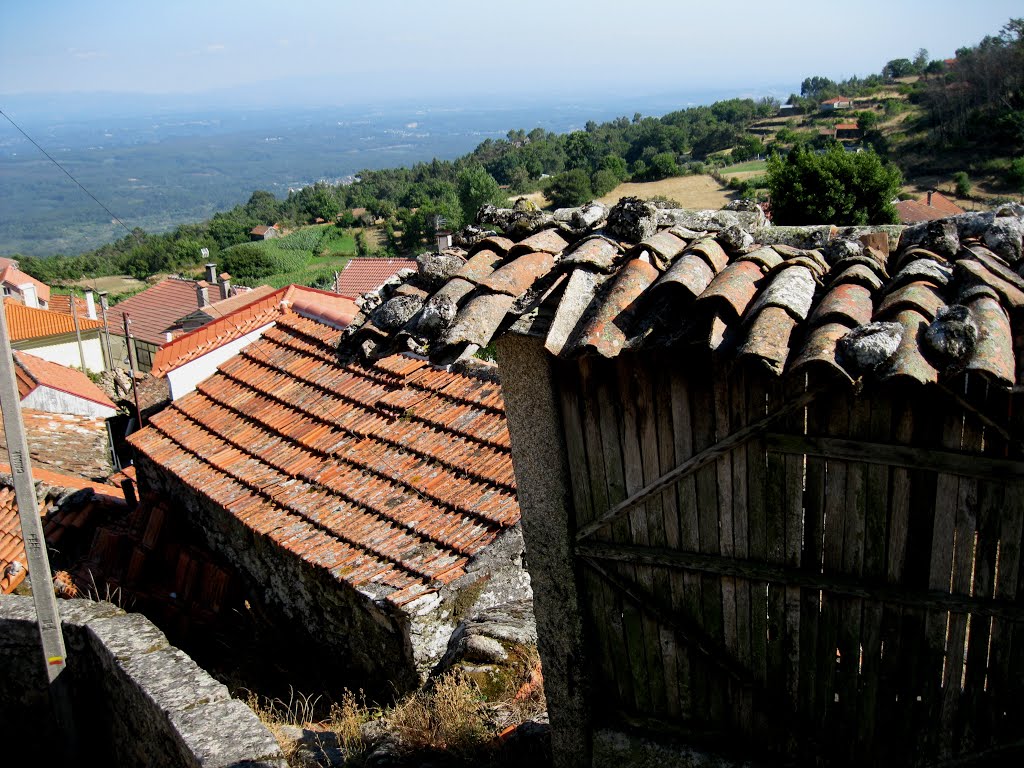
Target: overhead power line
[[68, 174]]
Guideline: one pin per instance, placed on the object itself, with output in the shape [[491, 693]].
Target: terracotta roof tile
[[782, 296], [364, 274], [11, 274], [65, 443], [395, 474], [61, 302], [30, 323], [154, 311], [59, 377]]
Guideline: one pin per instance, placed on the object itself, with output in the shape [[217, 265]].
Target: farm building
[[367, 509], [770, 478]]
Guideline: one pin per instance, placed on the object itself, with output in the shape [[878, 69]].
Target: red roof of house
[[262, 229], [155, 310], [61, 302], [30, 323], [836, 100], [916, 211], [365, 273], [260, 311], [394, 474], [35, 372], [940, 202], [11, 274], [12, 545], [846, 127]]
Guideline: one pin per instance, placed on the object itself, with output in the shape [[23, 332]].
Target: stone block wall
[[136, 700]]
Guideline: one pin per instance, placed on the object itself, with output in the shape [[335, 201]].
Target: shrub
[[962, 184], [1015, 174], [248, 261]]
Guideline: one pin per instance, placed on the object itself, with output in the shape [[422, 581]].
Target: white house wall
[[63, 350], [184, 379], [54, 401]]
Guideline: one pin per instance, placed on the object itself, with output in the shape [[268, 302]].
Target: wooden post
[[78, 332], [131, 365]]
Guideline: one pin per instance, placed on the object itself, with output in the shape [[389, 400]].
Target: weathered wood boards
[[840, 583]]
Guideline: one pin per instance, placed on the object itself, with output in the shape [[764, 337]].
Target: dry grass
[[700, 192], [113, 284], [537, 198], [448, 716]]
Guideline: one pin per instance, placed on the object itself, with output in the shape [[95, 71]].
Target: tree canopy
[[833, 187]]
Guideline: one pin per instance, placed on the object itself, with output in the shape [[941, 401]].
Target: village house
[[931, 206], [363, 274], [190, 358], [839, 102], [263, 232], [368, 509], [56, 337], [770, 477], [217, 298], [23, 287], [46, 386]]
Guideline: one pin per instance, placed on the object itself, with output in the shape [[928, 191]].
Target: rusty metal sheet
[[604, 332], [480, 265], [545, 241], [664, 246], [768, 338], [919, 296], [820, 349], [791, 288], [732, 290], [478, 320], [497, 243], [907, 361], [691, 273], [518, 275], [994, 351], [712, 253], [598, 252], [847, 302], [970, 272]]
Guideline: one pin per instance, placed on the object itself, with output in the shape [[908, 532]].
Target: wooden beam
[[833, 583], [692, 464], [909, 456]]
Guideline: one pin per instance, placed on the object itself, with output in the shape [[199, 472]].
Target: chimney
[[929, 198], [444, 240], [168, 336], [211, 273], [28, 294], [225, 285], [90, 304], [202, 293]]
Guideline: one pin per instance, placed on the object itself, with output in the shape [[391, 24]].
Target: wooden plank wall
[[878, 674]]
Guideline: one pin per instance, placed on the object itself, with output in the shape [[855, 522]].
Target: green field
[[748, 167], [307, 256]]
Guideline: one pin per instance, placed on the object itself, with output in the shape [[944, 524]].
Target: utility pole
[[54, 653], [131, 365], [78, 333], [106, 329]]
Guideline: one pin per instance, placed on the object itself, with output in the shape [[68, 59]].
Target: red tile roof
[[784, 299], [61, 302], [916, 211], [363, 274], [262, 310], [65, 443], [155, 310], [43, 373], [395, 474], [11, 274], [261, 230], [12, 545], [940, 202], [30, 323]]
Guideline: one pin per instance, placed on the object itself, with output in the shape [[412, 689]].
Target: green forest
[[964, 117]]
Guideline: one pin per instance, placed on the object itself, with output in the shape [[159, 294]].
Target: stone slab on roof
[[786, 298], [392, 476]]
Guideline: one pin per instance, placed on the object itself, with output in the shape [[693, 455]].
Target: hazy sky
[[469, 46]]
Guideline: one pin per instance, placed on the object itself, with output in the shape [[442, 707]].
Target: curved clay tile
[[603, 332], [768, 338], [768, 258], [820, 349], [919, 296], [691, 273], [495, 243], [922, 270], [791, 288], [545, 241], [970, 272], [732, 290], [664, 245], [478, 320], [915, 252], [579, 293], [712, 253], [994, 351], [597, 251], [850, 303], [856, 272], [480, 265], [518, 275], [908, 362]]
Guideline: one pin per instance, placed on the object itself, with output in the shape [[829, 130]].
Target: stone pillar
[[545, 498]]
